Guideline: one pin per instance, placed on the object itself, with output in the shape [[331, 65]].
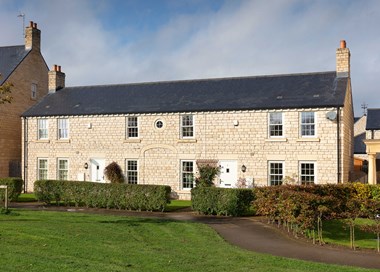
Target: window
[[42, 128], [42, 170], [159, 124], [275, 124], [132, 172], [187, 174], [63, 128], [132, 127], [307, 172], [276, 173], [307, 124], [33, 94], [63, 169], [187, 126]]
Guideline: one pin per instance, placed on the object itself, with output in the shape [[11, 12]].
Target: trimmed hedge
[[221, 201], [103, 195], [14, 188]]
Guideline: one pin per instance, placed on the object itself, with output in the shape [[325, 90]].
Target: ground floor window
[[276, 172], [187, 174], [63, 169], [307, 172], [132, 172], [42, 170]]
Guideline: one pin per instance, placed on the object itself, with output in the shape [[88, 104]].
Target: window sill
[[276, 140], [63, 141], [42, 141], [132, 141], [187, 141], [308, 140]]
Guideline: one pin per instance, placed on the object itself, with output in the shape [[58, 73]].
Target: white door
[[97, 170], [228, 174]]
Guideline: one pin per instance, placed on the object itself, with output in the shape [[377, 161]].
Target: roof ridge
[[199, 80], [8, 46]]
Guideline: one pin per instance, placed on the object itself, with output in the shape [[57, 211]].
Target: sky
[[125, 41]]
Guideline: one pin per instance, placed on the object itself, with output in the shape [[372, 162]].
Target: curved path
[[251, 234]]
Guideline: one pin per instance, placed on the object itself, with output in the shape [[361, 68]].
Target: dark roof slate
[[373, 119], [10, 58], [241, 93], [359, 145]]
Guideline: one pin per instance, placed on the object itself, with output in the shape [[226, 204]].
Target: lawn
[[64, 241]]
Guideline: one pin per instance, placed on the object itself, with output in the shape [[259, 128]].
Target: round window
[[159, 124]]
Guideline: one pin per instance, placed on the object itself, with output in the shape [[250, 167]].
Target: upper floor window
[[187, 174], [42, 170], [275, 124], [33, 93], [276, 172], [132, 127], [307, 172], [307, 124], [132, 172], [187, 126], [42, 125], [63, 128], [63, 169]]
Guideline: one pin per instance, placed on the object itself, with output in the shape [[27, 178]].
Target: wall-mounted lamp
[[243, 168], [85, 165]]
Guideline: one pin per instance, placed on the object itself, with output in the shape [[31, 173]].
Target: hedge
[[103, 195], [221, 201], [14, 188]]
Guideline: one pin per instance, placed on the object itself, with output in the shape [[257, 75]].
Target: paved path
[[251, 234]]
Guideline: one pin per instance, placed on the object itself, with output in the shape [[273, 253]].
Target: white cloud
[[241, 38]]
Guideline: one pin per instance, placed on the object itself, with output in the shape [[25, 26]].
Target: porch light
[[243, 168], [85, 165]]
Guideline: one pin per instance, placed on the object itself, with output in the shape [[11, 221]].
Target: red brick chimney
[[343, 56], [32, 37], [56, 79]]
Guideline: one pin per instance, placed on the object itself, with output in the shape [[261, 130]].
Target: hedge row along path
[[249, 233]]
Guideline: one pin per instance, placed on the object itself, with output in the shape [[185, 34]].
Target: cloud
[[231, 38]]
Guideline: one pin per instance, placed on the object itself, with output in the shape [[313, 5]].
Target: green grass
[[64, 241], [177, 205], [337, 232], [26, 198]]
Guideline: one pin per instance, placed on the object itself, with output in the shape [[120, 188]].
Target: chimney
[[56, 79], [343, 56], [32, 37]]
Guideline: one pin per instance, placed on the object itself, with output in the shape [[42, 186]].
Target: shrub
[[14, 188], [103, 195], [207, 173], [114, 173], [221, 201]]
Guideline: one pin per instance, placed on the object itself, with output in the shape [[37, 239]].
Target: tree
[[114, 173], [5, 92], [207, 173]]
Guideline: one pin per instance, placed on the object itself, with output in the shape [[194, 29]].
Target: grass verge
[[63, 241]]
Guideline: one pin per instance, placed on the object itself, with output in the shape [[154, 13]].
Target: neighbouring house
[[24, 67], [263, 130], [372, 143]]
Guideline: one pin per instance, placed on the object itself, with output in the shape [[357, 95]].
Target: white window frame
[[39, 169], [129, 172], [42, 129], [60, 170], [187, 173], [192, 126], [63, 128], [302, 125], [272, 174], [270, 125], [33, 91], [308, 175], [134, 127]]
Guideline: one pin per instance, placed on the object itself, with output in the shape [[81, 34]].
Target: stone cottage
[[24, 67], [261, 130]]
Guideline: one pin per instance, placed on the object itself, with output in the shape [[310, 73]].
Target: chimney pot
[[35, 25], [31, 24], [59, 68], [55, 67], [342, 44]]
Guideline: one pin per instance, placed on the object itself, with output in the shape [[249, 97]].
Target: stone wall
[[240, 136]]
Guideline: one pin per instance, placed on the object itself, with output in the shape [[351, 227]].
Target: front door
[[228, 174], [97, 170]]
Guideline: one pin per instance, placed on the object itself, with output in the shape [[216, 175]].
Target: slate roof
[[373, 119], [10, 58], [359, 145], [311, 90]]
